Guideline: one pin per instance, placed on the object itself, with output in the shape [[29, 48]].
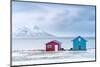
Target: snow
[[23, 57]]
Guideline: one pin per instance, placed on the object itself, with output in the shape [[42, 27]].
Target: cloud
[[54, 18]]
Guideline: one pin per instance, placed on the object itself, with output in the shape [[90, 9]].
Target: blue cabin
[[79, 43]]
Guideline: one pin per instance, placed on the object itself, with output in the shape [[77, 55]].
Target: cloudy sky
[[56, 19]]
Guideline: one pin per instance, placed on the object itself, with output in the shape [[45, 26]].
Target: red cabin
[[53, 46]]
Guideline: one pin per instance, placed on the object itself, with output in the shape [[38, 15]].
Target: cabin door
[[79, 47], [56, 47]]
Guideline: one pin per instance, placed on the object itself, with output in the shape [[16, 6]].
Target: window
[[49, 46], [79, 39]]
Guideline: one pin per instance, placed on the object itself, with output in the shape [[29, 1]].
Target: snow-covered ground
[[24, 57], [32, 51]]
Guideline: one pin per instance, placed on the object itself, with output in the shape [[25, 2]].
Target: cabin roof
[[54, 41], [79, 37]]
